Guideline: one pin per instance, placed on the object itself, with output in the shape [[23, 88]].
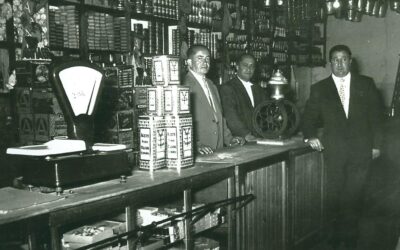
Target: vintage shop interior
[[270, 196]]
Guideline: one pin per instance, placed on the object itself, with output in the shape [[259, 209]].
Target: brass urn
[[277, 85]]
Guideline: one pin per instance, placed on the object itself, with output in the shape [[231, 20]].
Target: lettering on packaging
[[187, 141], [184, 100], [160, 153], [152, 100], [172, 143], [168, 102], [145, 145], [158, 69], [174, 71]]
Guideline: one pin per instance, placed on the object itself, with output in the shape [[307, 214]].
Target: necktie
[[208, 94], [342, 94]]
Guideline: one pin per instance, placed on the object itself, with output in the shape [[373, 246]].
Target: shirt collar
[[245, 83], [198, 76], [346, 78]]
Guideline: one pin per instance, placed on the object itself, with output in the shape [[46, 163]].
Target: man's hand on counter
[[204, 150], [375, 153], [237, 140], [250, 138], [315, 143]]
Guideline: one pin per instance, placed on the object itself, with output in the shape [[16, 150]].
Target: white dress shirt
[[247, 86], [345, 81]]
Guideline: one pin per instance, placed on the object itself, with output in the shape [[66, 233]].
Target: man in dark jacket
[[347, 106], [240, 96]]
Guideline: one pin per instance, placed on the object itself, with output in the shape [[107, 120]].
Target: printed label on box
[[158, 71], [145, 145], [174, 71], [26, 125], [48, 126], [184, 99], [160, 153], [172, 143], [168, 102], [23, 100], [152, 100], [187, 141]]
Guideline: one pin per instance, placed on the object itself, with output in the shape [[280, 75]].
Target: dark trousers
[[346, 178]]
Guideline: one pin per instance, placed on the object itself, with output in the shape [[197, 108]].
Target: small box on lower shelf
[[89, 234]]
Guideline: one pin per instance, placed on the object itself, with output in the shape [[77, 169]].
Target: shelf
[[64, 2], [89, 7], [279, 50], [107, 10], [146, 17], [199, 26], [58, 48], [108, 51]]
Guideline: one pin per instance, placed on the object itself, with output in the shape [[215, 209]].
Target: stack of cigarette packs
[[166, 131], [118, 113]]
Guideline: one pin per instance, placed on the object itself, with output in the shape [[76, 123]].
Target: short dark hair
[[194, 49], [244, 55], [339, 47]]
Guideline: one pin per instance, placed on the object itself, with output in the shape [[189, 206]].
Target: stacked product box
[[152, 142], [40, 118], [64, 26], [118, 109], [107, 32], [166, 130]]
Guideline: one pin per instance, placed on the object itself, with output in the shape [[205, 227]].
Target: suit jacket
[[237, 107], [210, 127], [342, 135]]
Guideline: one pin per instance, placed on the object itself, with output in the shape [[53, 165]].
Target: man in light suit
[[239, 98], [210, 128], [348, 108]]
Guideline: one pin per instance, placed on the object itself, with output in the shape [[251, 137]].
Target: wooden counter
[[287, 181]]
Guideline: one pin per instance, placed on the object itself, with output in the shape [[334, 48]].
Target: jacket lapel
[[354, 94], [214, 95], [257, 95], [243, 93]]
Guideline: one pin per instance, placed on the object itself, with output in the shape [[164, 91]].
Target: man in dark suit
[[239, 98], [211, 131], [347, 106]]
